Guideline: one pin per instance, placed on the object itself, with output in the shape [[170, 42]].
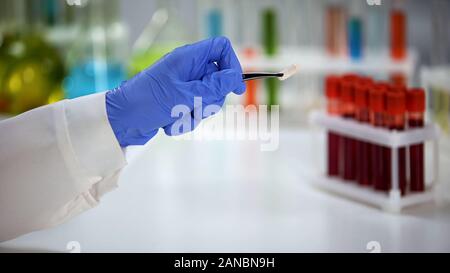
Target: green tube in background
[[443, 110], [272, 85], [270, 44], [270, 34]]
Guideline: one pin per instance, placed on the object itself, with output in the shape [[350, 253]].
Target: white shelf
[[391, 201], [311, 60]]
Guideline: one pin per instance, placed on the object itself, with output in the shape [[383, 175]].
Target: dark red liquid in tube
[[377, 111], [333, 108], [387, 172], [395, 120], [348, 165], [415, 102], [363, 149]]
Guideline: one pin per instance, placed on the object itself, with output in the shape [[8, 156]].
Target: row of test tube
[[383, 105]]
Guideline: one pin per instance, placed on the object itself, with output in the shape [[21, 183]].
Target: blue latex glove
[[139, 107]]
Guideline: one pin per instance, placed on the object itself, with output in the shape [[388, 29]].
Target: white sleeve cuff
[[93, 141]]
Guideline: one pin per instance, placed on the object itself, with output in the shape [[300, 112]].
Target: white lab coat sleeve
[[56, 161]]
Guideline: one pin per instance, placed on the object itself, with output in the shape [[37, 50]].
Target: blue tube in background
[[214, 23], [89, 77], [355, 42]]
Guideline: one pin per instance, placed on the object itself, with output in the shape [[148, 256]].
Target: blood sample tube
[[395, 120], [348, 143], [363, 156], [333, 109], [343, 140], [415, 102], [387, 170], [377, 108]]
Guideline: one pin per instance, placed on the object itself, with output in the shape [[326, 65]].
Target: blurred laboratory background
[[56, 49]]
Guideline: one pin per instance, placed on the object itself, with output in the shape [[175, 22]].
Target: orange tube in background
[[398, 34], [251, 86]]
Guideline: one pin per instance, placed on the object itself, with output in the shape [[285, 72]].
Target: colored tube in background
[[355, 39], [441, 107], [84, 77], [270, 44], [273, 86], [270, 32], [398, 46], [251, 86], [99, 65], [398, 34], [214, 23], [335, 39]]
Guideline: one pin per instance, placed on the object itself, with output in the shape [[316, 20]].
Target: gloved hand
[[139, 107]]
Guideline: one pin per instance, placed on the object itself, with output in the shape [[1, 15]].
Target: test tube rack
[[391, 201]]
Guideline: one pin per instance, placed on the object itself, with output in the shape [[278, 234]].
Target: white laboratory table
[[228, 196]]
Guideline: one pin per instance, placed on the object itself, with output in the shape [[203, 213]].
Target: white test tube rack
[[391, 201]]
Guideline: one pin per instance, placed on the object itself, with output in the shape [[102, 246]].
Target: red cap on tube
[[398, 88], [366, 80], [384, 85], [376, 98], [395, 103], [331, 86], [347, 91], [350, 76], [415, 100], [362, 94]]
